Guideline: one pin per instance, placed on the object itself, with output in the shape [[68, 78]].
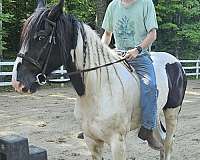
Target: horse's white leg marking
[[118, 147], [171, 118], [95, 148], [160, 136]]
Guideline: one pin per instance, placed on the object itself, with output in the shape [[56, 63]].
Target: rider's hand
[[131, 54]]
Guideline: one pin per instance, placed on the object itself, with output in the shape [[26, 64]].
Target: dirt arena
[[46, 118]]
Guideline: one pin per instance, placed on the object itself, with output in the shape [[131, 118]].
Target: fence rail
[[60, 71], [191, 67]]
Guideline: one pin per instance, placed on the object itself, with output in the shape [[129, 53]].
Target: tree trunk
[[1, 54], [1, 30], [101, 6]]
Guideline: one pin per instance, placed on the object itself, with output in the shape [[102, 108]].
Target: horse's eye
[[41, 38]]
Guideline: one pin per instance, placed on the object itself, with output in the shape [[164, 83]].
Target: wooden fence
[[192, 68]]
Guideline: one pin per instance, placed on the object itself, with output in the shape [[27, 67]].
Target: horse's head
[[41, 48]]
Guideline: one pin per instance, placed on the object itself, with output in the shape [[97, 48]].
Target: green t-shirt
[[130, 25]]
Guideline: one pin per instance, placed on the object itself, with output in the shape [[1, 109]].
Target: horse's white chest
[[110, 107]]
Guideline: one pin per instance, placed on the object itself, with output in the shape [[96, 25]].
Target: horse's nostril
[[24, 90]]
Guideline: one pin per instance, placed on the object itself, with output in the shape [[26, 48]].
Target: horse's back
[[171, 79]]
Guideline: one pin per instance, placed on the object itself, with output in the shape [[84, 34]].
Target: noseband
[[41, 78]]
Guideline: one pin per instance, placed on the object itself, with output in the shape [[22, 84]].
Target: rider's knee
[[147, 81], [153, 86], [150, 86]]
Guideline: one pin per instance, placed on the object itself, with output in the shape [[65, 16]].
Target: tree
[[101, 6], [1, 54], [84, 10], [3, 18], [20, 10], [179, 24]]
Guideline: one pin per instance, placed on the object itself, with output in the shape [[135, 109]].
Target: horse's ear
[[56, 11], [41, 3]]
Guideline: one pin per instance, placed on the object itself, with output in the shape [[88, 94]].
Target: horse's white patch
[[79, 51], [72, 54], [18, 60], [14, 72]]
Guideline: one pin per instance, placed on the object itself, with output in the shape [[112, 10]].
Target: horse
[[108, 93]]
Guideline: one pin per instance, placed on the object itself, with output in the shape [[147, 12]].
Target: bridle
[[41, 78]]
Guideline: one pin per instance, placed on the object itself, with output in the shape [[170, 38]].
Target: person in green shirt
[[133, 24]]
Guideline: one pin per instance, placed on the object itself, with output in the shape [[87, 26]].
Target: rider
[[133, 24]]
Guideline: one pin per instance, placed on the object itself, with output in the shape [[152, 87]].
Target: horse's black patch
[[77, 79], [177, 85]]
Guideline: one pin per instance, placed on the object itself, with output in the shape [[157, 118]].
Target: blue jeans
[[148, 89]]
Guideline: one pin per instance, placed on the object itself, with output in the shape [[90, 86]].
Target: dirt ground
[[46, 118]]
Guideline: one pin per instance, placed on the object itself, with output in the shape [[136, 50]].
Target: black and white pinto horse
[[108, 95]]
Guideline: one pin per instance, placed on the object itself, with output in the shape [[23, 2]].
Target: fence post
[[1, 54], [62, 72]]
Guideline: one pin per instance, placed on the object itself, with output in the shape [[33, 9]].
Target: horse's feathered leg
[[118, 147], [160, 134], [95, 147], [171, 118]]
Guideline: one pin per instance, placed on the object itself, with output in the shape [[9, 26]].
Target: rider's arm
[[150, 38], [106, 38]]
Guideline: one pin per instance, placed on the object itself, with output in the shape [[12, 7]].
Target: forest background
[[178, 34]]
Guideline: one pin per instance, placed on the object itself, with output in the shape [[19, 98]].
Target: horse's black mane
[[32, 23]]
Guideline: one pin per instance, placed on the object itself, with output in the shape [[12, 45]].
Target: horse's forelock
[[32, 23]]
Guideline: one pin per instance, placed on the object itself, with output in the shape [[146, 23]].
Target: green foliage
[[4, 18], [191, 32], [179, 26], [20, 10], [169, 26], [83, 9]]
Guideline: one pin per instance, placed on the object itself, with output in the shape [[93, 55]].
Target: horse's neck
[[97, 54], [106, 89]]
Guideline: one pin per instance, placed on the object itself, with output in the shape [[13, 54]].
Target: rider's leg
[[145, 70]]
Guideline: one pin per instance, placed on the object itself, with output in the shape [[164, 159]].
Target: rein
[[93, 68]]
